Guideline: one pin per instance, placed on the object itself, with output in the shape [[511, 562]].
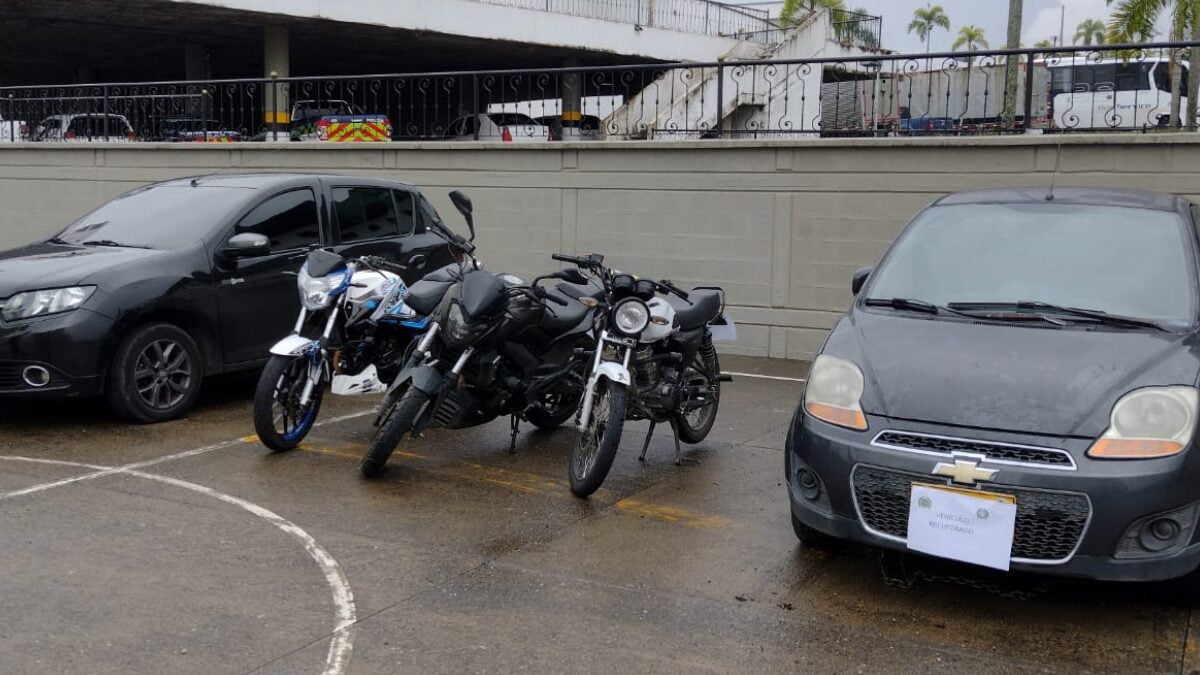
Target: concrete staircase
[[682, 104]]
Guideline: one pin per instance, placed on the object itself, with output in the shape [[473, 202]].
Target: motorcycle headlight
[[1148, 423], [631, 317], [41, 303], [317, 292], [459, 331], [834, 393]]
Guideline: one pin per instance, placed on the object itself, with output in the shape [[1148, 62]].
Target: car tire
[[813, 538], [155, 374]]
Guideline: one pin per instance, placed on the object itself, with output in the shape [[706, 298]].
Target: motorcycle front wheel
[[397, 423], [279, 420], [596, 446]]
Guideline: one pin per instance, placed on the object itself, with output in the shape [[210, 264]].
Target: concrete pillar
[[571, 93], [196, 66], [277, 62]]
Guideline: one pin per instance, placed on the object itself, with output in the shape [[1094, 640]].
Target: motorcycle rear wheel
[[595, 448], [695, 425], [279, 420], [398, 423]]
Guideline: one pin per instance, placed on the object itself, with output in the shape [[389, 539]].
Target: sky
[[1041, 21]]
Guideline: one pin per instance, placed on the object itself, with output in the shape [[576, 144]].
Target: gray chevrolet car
[[1015, 386]]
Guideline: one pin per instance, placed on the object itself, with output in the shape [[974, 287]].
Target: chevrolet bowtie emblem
[[963, 471]]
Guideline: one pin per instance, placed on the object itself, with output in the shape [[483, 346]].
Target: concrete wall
[[781, 225]]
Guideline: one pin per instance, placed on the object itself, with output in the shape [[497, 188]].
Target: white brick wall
[[781, 225]]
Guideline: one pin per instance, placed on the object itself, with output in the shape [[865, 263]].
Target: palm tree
[[1043, 43], [794, 10], [1134, 20], [1090, 31], [971, 37], [926, 20]]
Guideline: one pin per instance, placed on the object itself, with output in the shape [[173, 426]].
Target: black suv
[[143, 291]]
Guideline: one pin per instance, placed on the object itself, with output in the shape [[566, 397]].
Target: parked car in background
[[13, 131], [144, 297], [588, 128], [191, 130], [1015, 386], [85, 128], [337, 121], [506, 127]]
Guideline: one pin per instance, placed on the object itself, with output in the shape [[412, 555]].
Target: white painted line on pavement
[[343, 599], [160, 460], [766, 377]]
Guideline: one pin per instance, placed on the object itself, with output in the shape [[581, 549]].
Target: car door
[[257, 299], [385, 221]]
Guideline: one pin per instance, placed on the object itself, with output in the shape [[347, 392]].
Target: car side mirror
[[247, 245], [463, 204], [860, 278]]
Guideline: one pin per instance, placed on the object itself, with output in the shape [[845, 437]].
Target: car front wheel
[[155, 374]]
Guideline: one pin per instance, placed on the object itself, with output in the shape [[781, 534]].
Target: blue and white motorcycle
[[365, 333]]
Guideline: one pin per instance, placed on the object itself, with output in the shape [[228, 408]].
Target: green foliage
[[926, 20], [970, 37]]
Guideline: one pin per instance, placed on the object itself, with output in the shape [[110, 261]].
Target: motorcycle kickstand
[[679, 458], [516, 427], [646, 445]]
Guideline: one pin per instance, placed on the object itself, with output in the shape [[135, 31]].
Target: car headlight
[[834, 393], [50, 301], [631, 317], [317, 292], [1147, 423]]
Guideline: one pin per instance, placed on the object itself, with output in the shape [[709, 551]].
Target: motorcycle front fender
[[425, 379], [294, 345], [609, 370]]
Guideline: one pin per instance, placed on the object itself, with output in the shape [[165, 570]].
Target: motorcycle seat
[[704, 307], [559, 319]]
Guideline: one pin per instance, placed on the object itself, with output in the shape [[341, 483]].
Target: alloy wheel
[[162, 374]]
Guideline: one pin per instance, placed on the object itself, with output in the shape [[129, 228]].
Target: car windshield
[[159, 216], [1124, 261]]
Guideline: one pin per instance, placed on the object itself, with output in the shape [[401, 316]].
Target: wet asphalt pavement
[[205, 553]]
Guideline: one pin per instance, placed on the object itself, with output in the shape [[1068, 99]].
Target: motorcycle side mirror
[[464, 206], [247, 245], [860, 278]]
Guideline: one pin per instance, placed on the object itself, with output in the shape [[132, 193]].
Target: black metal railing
[[706, 17], [856, 29], [1076, 89]]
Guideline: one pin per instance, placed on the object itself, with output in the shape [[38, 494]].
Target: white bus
[[1113, 93]]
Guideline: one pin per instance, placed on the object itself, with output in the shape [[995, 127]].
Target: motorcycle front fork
[[317, 359]]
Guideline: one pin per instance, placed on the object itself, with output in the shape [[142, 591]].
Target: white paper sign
[[955, 524]]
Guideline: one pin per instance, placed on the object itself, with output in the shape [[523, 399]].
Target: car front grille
[[1000, 452], [1049, 524]]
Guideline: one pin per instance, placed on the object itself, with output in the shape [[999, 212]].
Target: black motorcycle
[[496, 346], [654, 360]]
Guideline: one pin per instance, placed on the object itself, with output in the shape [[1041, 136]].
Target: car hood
[[1062, 382], [54, 266]]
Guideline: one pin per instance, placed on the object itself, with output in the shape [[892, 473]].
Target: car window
[[429, 216], [366, 213], [1128, 261], [289, 220], [98, 126], [406, 206], [511, 119], [159, 216]]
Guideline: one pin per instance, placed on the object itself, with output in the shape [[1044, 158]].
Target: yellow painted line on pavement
[[671, 514]]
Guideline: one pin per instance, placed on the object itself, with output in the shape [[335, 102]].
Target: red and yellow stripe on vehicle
[[356, 129]]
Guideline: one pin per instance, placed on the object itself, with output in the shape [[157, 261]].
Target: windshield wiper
[[1044, 308], [910, 304], [110, 243]]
